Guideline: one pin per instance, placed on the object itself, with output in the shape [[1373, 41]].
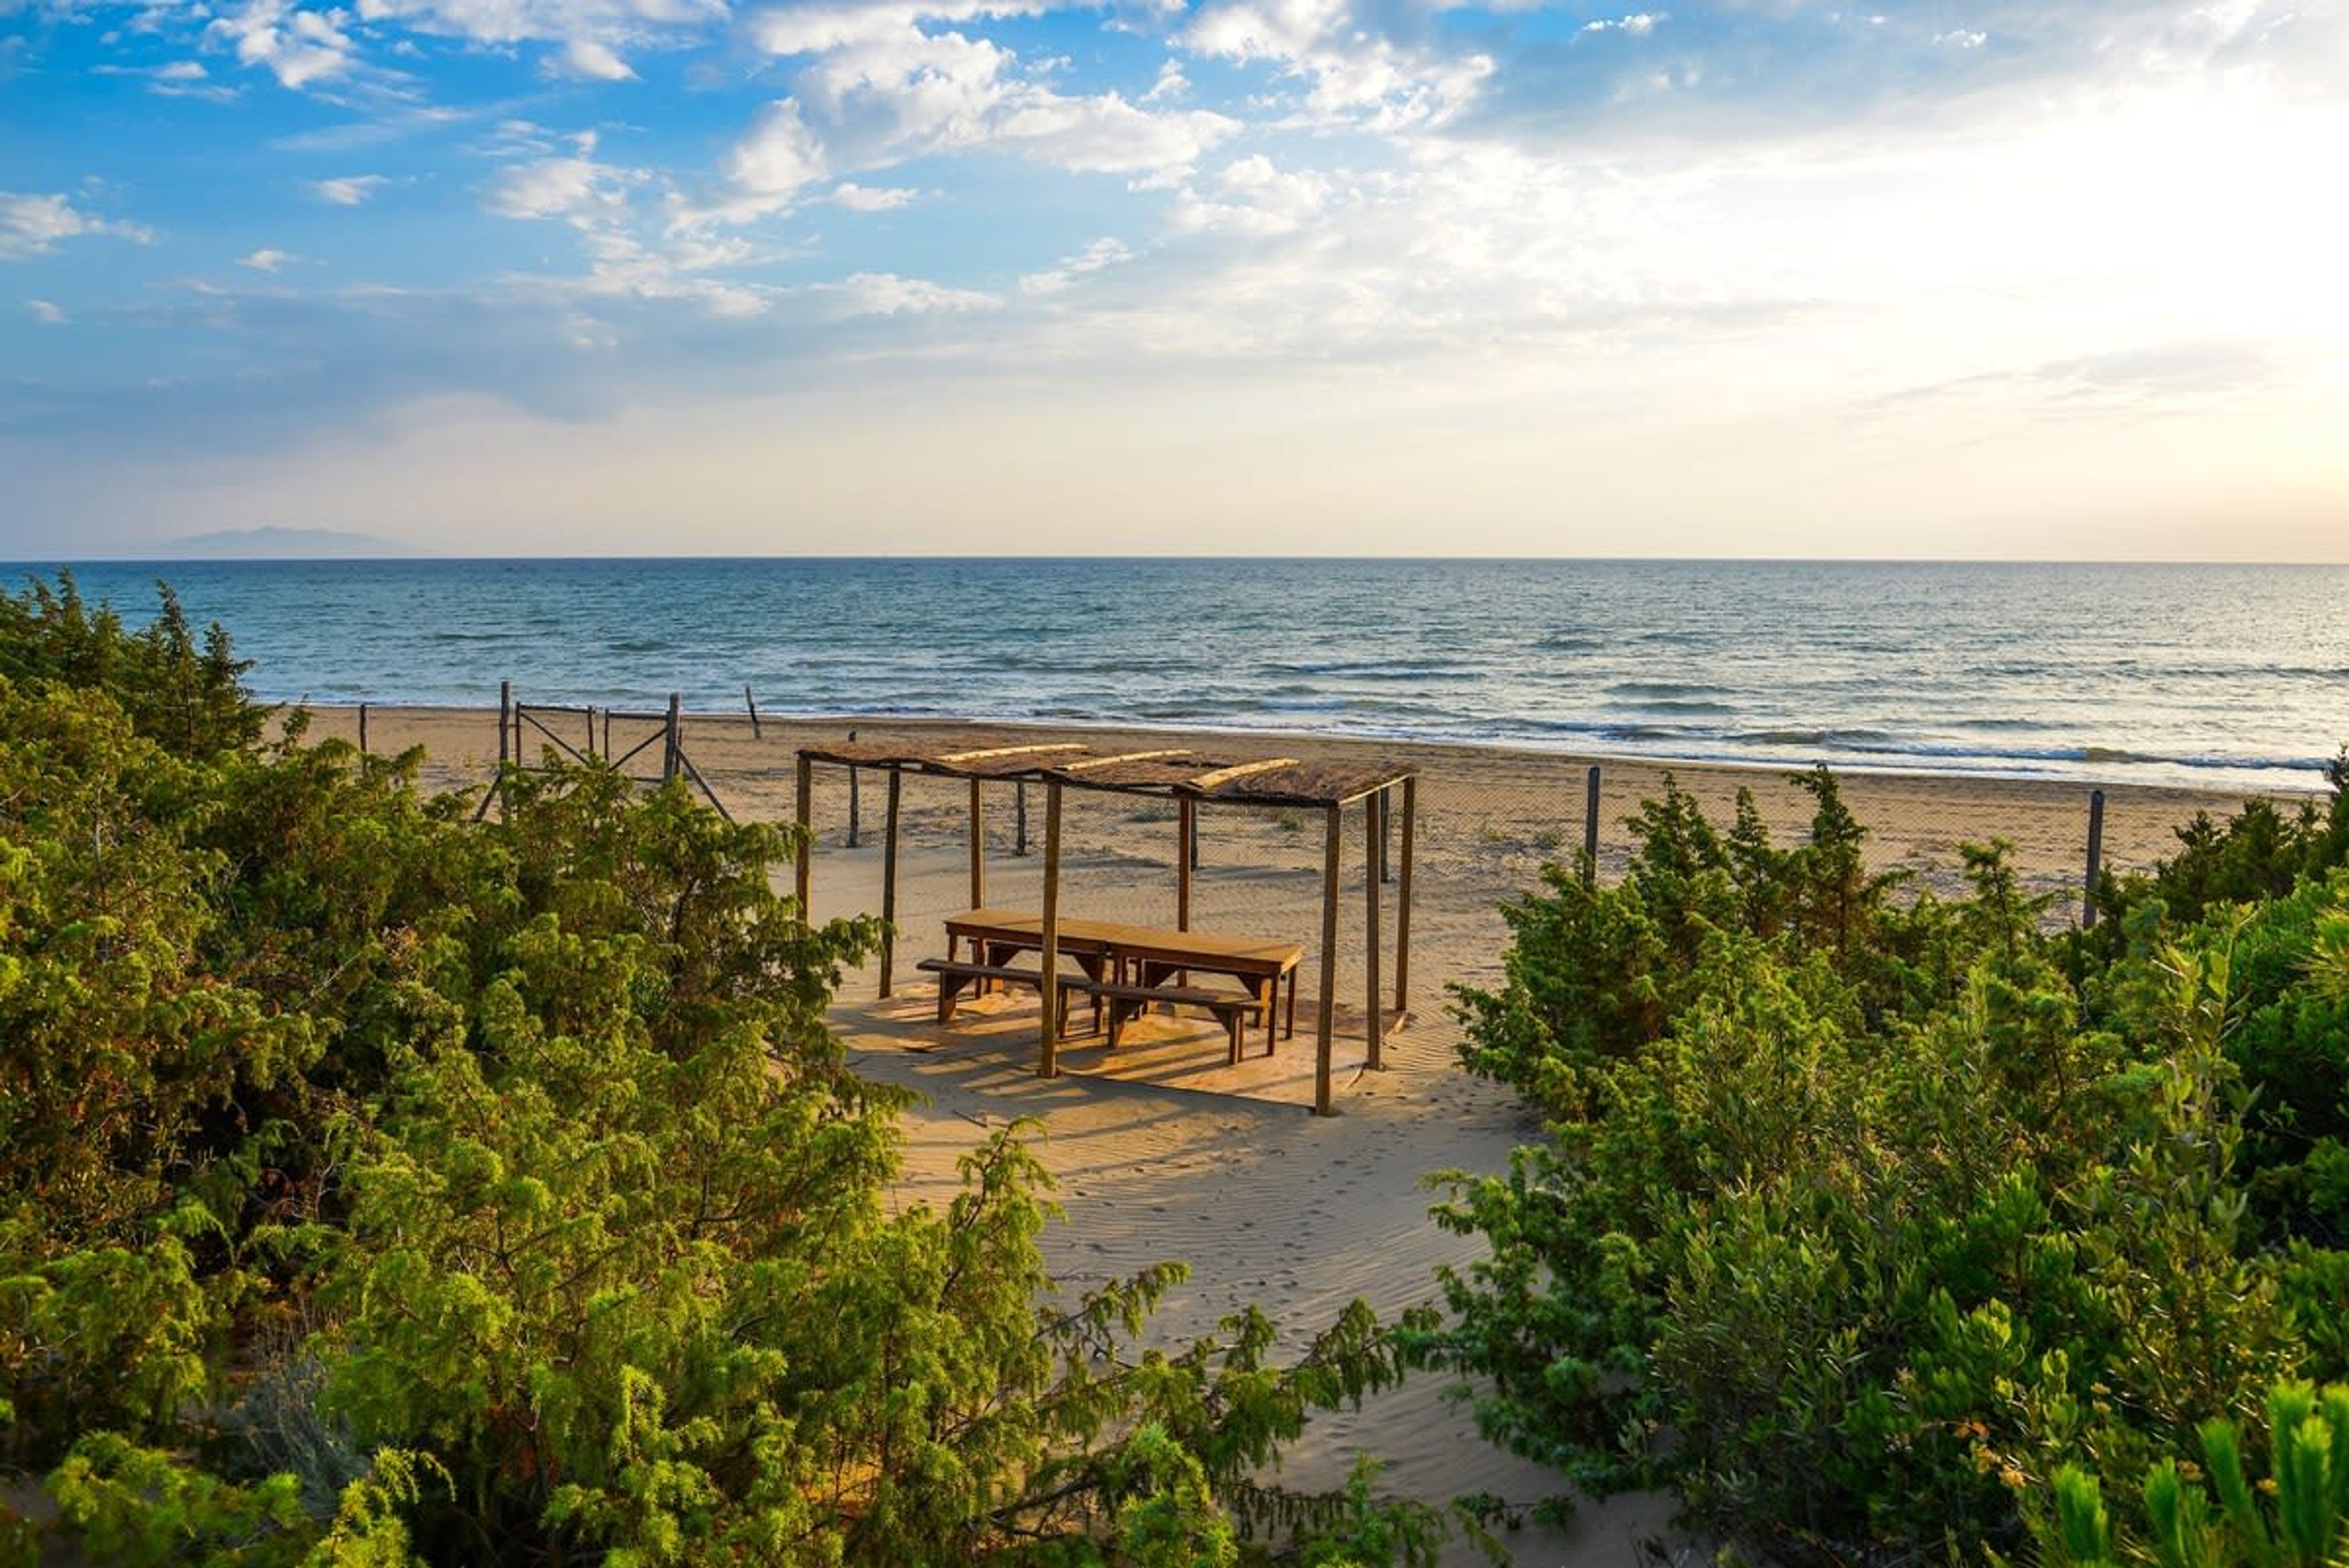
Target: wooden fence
[[572, 731]]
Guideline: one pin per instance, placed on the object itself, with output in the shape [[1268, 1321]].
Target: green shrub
[[1858, 1218], [384, 1187]]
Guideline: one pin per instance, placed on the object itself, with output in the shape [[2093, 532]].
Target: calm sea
[[2232, 675]]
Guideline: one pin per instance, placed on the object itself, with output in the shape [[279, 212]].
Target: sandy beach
[[1167, 1152]]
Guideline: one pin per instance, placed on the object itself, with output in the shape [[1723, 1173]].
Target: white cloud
[[1639, 24], [31, 224], [1354, 72], [1963, 38], [879, 91], [48, 312], [780, 155], [887, 294], [1252, 196], [592, 61], [177, 78], [347, 190], [579, 190], [870, 198], [1172, 86], [1101, 255], [297, 45], [593, 38], [266, 260]]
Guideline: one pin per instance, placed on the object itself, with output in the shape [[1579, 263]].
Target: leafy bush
[[2225, 1516], [384, 1188], [1858, 1218]]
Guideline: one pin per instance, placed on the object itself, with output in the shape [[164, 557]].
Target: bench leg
[[950, 987], [1234, 1022]]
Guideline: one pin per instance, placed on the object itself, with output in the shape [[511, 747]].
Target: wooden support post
[[505, 751], [977, 849], [1186, 815], [671, 741], [1386, 833], [889, 882], [1047, 1061], [607, 732], [752, 703], [1402, 895], [1020, 810], [1327, 1016], [855, 789], [1590, 829], [1374, 1020], [590, 753], [363, 745], [2095, 856], [806, 807]]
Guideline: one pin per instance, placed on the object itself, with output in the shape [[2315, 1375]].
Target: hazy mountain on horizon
[[275, 543]]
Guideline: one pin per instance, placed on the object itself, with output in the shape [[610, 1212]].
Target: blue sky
[[1361, 276]]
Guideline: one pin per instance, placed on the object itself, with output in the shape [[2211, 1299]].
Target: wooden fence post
[[1374, 1022], [1403, 894], [671, 741], [752, 703], [363, 745], [853, 793], [2095, 856], [1591, 828], [804, 818], [1326, 1012], [889, 885]]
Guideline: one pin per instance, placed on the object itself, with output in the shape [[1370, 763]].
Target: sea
[[2224, 676]]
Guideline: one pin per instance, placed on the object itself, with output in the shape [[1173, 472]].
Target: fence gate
[[560, 724]]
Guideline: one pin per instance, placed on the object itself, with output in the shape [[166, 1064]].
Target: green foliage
[[1858, 1219], [2222, 1515], [186, 698], [385, 1188]]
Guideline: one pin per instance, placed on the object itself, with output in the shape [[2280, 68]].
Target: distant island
[[272, 542]]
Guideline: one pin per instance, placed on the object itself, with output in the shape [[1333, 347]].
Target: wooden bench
[[1112, 954], [1230, 1008], [955, 975]]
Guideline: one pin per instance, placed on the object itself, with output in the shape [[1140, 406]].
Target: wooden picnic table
[[1114, 955]]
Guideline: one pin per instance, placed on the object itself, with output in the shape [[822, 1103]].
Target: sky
[[1741, 278]]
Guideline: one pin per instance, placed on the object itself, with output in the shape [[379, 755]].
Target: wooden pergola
[[1191, 779]]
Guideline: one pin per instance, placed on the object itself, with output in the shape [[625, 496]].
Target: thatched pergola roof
[[1176, 771], [1191, 779]]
